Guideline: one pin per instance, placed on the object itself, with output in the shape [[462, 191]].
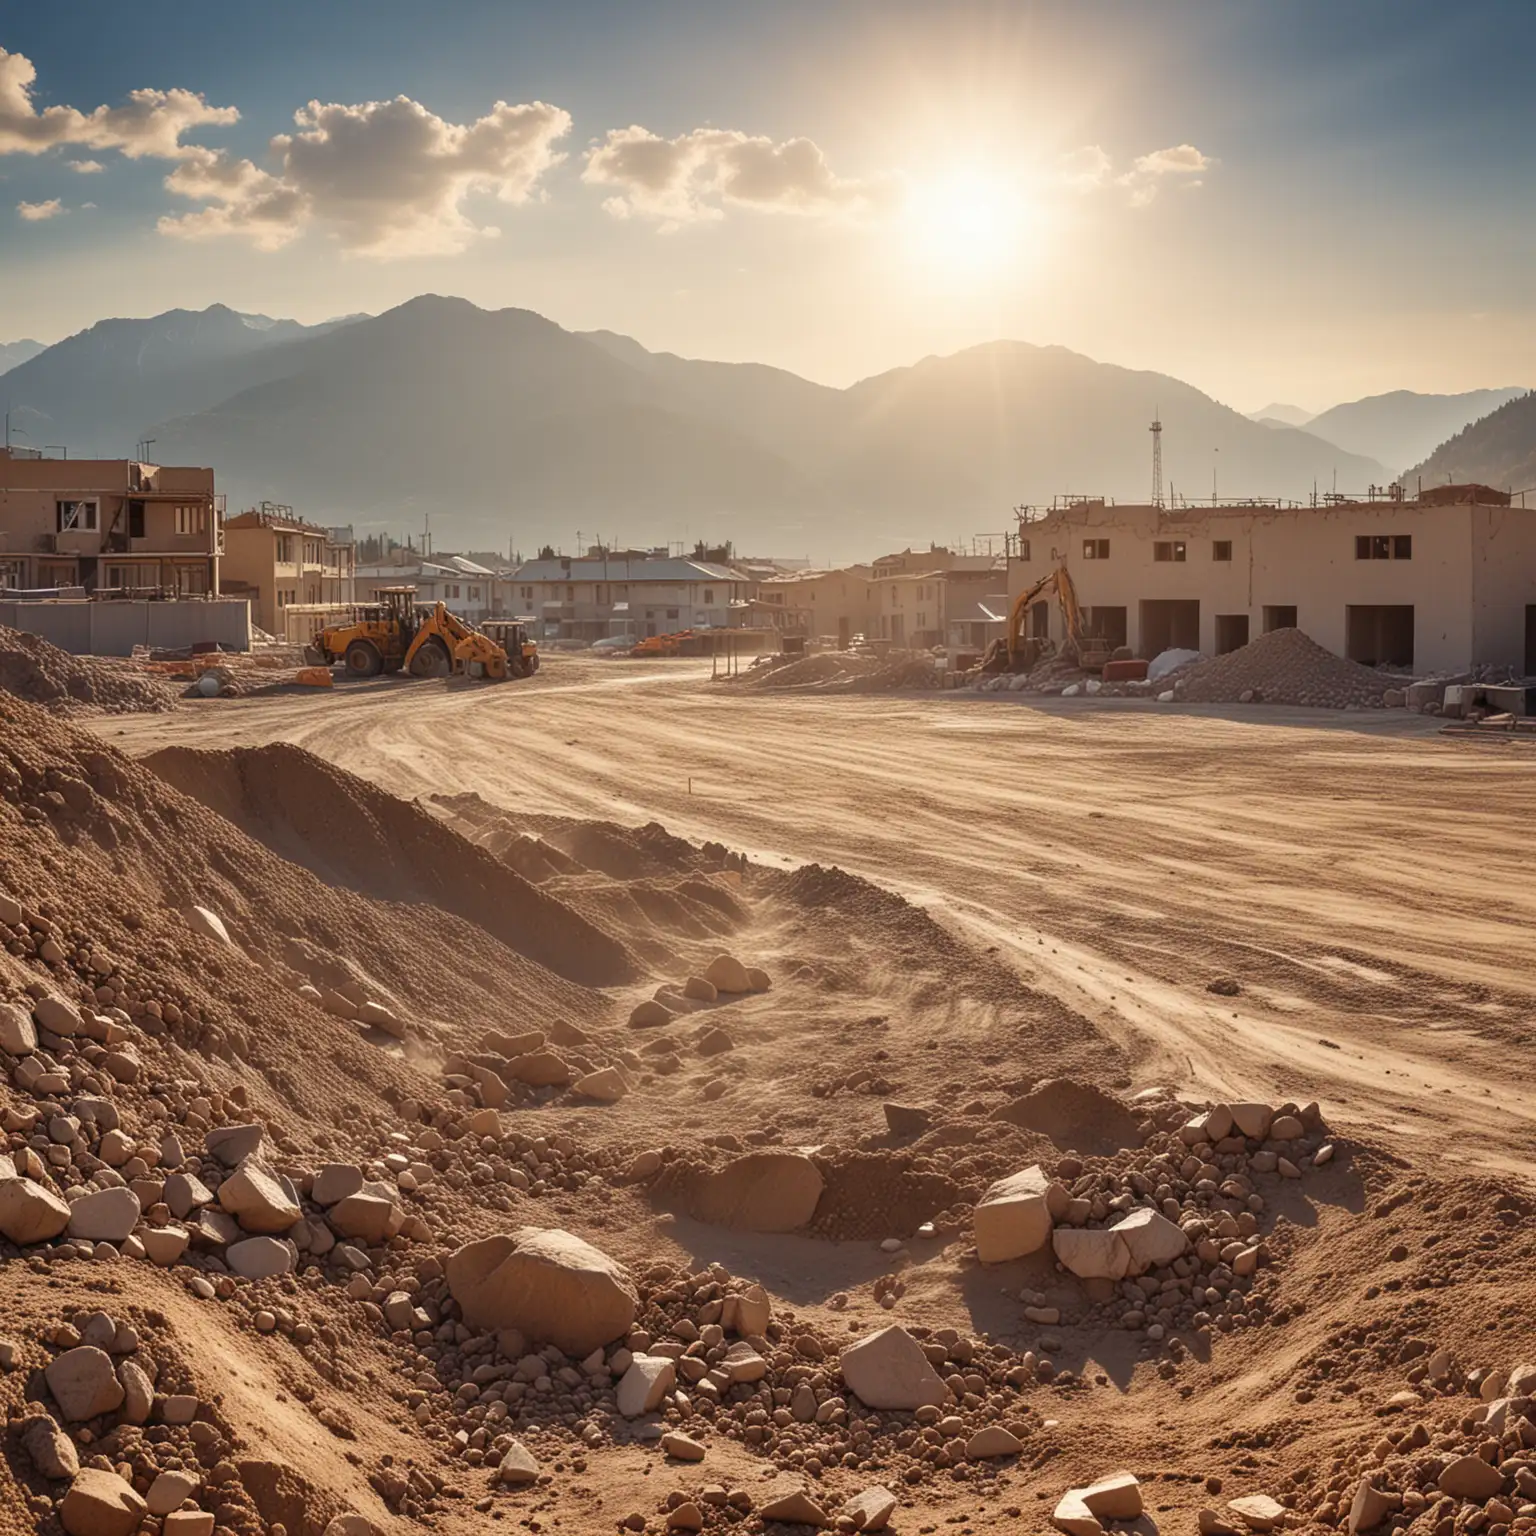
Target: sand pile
[[843, 672], [352, 834], [40, 673], [1282, 667]]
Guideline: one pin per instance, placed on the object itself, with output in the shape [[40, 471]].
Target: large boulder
[[29, 1213], [107, 1216], [101, 1504], [1092, 1253], [259, 1198], [761, 1192], [549, 1285], [1150, 1239], [888, 1370], [83, 1383], [1013, 1218]]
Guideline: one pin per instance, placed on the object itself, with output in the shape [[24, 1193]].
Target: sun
[[969, 224]]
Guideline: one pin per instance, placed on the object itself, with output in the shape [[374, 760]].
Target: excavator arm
[[466, 648]]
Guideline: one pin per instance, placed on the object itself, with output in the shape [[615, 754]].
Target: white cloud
[[385, 178], [36, 213], [698, 175], [150, 123], [85, 167], [1090, 168]]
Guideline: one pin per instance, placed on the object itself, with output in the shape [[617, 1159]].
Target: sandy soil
[[1360, 877]]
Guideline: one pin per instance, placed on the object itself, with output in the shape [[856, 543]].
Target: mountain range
[[1499, 450], [502, 425], [13, 353]]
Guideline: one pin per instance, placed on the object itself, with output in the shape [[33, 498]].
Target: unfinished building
[[1437, 583]]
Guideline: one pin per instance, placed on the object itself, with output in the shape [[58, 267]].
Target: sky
[[1293, 200]]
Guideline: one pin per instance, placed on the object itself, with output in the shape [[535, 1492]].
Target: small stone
[[334, 1182], [606, 1086], [686, 1517], [1013, 1218], [682, 1447], [790, 1503], [83, 1383], [259, 1258], [51, 1450], [727, 974], [107, 1216], [889, 1370], [1470, 1477], [1370, 1506], [991, 1442], [906, 1119], [518, 1465], [101, 1504], [872, 1509], [190, 1522], [1259, 1512], [648, 1380], [169, 1491]]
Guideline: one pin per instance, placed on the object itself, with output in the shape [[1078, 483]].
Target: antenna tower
[[1156, 429]]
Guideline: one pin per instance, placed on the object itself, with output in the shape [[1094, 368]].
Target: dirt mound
[[353, 834], [1078, 1117], [1283, 667], [40, 673], [843, 672]]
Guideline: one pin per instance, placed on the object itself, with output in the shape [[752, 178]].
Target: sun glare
[[969, 224]]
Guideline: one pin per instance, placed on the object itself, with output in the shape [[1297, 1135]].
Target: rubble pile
[[845, 672], [34, 670], [1283, 667]]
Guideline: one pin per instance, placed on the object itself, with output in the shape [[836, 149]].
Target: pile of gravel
[[41, 673], [1282, 667]]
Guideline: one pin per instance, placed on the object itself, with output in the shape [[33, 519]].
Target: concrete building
[[108, 525], [1440, 583], [824, 605], [629, 593], [466, 588], [279, 561]]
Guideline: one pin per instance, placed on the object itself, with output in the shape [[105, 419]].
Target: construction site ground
[[971, 895]]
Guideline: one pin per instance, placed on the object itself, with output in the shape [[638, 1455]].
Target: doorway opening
[[1379, 634], [1281, 617], [1169, 624], [1231, 632]]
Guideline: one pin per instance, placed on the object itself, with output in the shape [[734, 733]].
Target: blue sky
[[1294, 200]]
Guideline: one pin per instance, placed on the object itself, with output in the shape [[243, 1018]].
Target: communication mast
[[1156, 429]]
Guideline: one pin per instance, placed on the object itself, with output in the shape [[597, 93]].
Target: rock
[[742, 1363], [184, 1193], [83, 1383], [57, 1016], [366, 1218], [758, 979], [1071, 1514], [334, 1182], [179, 1408], [552, 1286], [788, 1502], [1287, 1128], [539, 1069], [992, 1441], [232, 1144], [607, 1086], [351, 1524], [1252, 1120], [1117, 1497], [18, 1034], [748, 1313], [906, 1119], [377, 1016], [1370, 1506], [1210, 1523], [260, 1199], [518, 1466], [193, 1522], [169, 1491], [208, 923], [761, 1192], [649, 1014], [29, 1213], [1470, 1477], [682, 1447], [714, 1041], [51, 1450], [642, 1387], [699, 990], [889, 1370], [107, 1216], [871, 1510], [687, 1516], [1012, 1218], [1092, 1254], [642, 1166], [138, 1393], [1259, 1512], [259, 1258], [1151, 1240], [101, 1504], [727, 974]]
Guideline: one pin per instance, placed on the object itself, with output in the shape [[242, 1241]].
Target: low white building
[[471, 591], [592, 597]]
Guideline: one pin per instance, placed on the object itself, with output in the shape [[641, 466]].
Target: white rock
[[648, 1380], [1013, 1218]]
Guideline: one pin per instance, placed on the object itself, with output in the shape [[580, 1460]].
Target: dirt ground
[[1037, 922]]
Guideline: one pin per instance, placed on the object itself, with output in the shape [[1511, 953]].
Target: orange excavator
[[1014, 653], [396, 633]]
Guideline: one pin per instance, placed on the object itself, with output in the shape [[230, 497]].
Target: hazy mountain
[[98, 391], [501, 424], [14, 353], [1278, 414], [1499, 450], [1402, 428]]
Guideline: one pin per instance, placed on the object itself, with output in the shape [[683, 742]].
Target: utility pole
[[1156, 429]]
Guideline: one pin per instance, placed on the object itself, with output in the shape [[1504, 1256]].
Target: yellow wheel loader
[[396, 633]]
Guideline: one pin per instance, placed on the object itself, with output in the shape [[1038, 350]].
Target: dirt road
[[1362, 880]]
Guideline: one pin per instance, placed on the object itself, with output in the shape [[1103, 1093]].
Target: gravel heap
[[41, 673], [1282, 667]]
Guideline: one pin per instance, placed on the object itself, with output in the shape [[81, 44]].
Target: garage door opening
[[1379, 634], [1169, 624], [1107, 624], [1231, 632], [1280, 617]]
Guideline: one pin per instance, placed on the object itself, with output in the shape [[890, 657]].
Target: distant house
[[633, 593], [279, 561], [466, 588]]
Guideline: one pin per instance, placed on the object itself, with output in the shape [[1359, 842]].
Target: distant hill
[[1498, 450], [1278, 414], [98, 391], [13, 353], [502, 424], [1402, 428]]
